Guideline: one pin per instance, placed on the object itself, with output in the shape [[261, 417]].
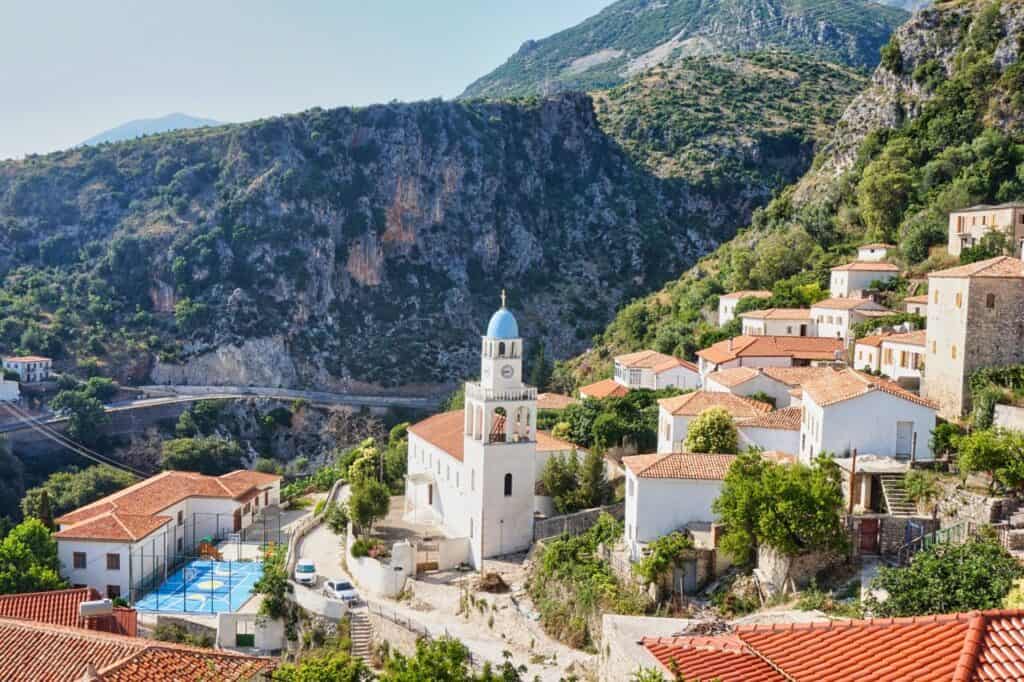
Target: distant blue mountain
[[150, 126], [908, 5]]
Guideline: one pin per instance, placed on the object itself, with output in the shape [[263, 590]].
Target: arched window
[[990, 301], [508, 485], [501, 349]]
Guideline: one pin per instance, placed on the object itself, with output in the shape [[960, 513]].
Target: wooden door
[[430, 494], [869, 536], [238, 520], [904, 438]]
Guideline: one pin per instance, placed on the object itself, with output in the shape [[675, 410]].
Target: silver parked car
[[341, 589]]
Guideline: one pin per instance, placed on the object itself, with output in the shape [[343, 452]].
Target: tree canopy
[[28, 559], [792, 508], [85, 413], [68, 490], [208, 455], [712, 430]]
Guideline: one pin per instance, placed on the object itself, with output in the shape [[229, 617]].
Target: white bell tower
[[500, 444]]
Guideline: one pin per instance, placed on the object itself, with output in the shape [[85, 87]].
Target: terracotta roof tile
[[797, 376], [749, 293], [681, 465], [113, 525], [695, 402], [553, 401], [650, 359], [779, 457], [30, 652], [443, 431], [877, 245], [796, 347], [733, 376], [866, 266], [786, 419], [923, 298], [1000, 266], [60, 607], [914, 338], [548, 443], [606, 388], [699, 658], [841, 303], [875, 340], [28, 358], [778, 314], [849, 384]]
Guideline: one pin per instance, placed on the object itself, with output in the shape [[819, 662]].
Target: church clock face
[[507, 371]]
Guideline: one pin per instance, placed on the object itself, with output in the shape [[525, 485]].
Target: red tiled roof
[[923, 298], [964, 647], [733, 376], [876, 245], [682, 465], [841, 303], [796, 347], [548, 443], [750, 293], [875, 340], [866, 266], [915, 338], [778, 457], [28, 358], [444, 431], [786, 419], [695, 402], [849, 383], [796, 376], [553, 401], [778, 314], [60, 607], [1000, 266], [133, 512], [30, 652], [606, 388], [653, 360]]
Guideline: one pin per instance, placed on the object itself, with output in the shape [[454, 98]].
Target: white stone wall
[[769, 439], [680, 377], [95, 574], [449, 508], [845, 283], [966, 228], [777, 327], [895, 355], [871, 255], [866, 357], [656, 506], [500, 524]]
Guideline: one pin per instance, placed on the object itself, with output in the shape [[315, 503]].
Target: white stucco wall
[[769, 439], [449, 506], [95, 574], [657, 506], [867, 423], [9, 391], [871, 255], [894, 369], [678, 377], [866, 356], [777, 327], [844, 283]]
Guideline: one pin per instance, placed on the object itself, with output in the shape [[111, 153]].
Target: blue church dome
[[503, 323]]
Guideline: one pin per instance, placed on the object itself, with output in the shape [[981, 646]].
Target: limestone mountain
[[358, 248], [940, 127], [631, 36]]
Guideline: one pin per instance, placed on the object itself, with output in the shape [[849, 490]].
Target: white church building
[[473, 472]]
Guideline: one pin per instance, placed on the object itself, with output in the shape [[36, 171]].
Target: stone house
[[769, 351], [29, 368], [778, 383], [854, 278], [727, 303], [653, 370], [975, 320], [968, 226], [835, 317], [898, 356], [872, 253], [778, 322]]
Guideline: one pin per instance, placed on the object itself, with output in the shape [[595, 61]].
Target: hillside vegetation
[[630, 36], [938, 129]]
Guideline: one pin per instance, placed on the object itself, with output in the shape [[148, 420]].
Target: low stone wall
[[1009, 417], [268, 633], [892, 531], [576, 523], [779, 573], [957, 505], [379, 578]]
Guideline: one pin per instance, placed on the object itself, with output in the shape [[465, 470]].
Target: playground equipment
[[208, 551]]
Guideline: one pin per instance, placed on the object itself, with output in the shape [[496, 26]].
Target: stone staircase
[[361, 633], [1015, 534], [895, 494]]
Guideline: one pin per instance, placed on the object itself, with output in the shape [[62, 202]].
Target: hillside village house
[[898, 356], [769, 351], [918, 305], [852, 410], [473, 473], [872, 253], [967, 227], [29, 368], [853, 279], [727, 303], [676, 413], [667, 492], [116, 542], [778, 322], [975, 320], [775, 431], [835, 317], [644, 369], [778, 383]]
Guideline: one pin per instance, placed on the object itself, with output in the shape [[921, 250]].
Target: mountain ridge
[[150, 126]]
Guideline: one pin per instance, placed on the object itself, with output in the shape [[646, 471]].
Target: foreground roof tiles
[[680, 465], [1000, 266], [695, 402], [60, 607], [132, 513], [606, 388], [653, 360], [974, 646], [796, 347], [849, 384], [30, 652]]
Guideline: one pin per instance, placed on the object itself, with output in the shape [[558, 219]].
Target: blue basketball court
[[205, 586]]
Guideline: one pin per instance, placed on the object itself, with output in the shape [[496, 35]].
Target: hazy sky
[[72, 69]]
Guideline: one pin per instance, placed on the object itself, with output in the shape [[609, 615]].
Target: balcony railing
[[478, 392]]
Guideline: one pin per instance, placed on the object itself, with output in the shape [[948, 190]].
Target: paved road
[[324, 397]]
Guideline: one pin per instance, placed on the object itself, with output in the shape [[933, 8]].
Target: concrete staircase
[[361, 633], [895, 494]]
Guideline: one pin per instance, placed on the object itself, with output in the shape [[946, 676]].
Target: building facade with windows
[[778, 322], [115, 543], [727, 303], [473, 472], [30, 369], [852, 279], [967, 227], [872, 253], [975, 320], [655, 371], [835, 317]]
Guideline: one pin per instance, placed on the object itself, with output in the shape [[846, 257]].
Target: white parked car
[[305, 572], [341, 589]]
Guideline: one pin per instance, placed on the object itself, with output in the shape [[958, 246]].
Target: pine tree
[[540, 368], [45, 515]]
